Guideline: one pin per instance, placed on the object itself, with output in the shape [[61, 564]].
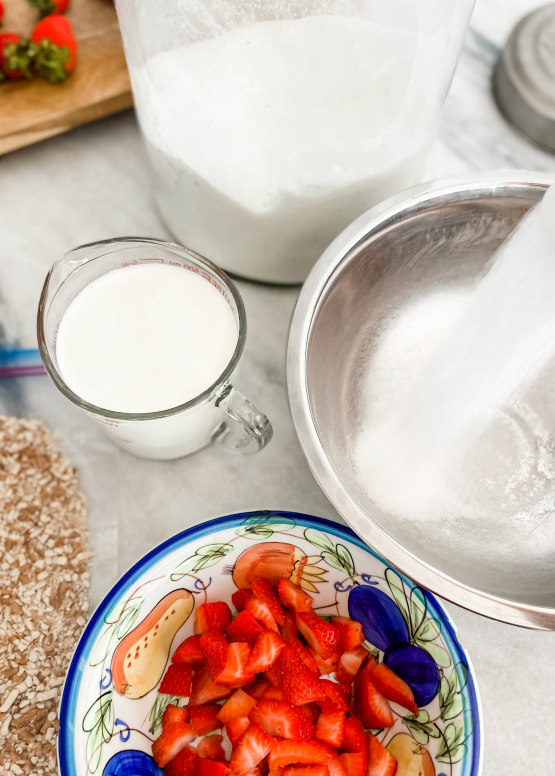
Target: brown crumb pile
[[44, 581]]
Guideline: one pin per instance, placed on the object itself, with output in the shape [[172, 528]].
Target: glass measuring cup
[[221, 414]]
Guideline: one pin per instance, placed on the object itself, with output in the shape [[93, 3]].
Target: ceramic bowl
[[111, 709]]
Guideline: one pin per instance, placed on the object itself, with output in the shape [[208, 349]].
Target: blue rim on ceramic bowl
[[471, 723]]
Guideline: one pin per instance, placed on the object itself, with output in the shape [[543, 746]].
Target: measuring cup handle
[[246, 430]]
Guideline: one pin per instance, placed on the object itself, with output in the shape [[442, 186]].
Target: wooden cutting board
[[34, 110]]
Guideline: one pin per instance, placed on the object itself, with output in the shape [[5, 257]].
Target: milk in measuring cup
[[268, 139]]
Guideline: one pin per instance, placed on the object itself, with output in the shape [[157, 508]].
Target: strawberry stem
[[45, 7], [50, 61]]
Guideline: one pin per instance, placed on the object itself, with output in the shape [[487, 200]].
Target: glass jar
[[271, 125]]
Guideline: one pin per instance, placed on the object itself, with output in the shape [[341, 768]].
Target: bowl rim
[[70, 688], [505, 183]]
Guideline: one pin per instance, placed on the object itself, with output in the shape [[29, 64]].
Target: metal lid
[[524, 78]]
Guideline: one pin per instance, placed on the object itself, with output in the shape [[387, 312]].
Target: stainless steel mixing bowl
[[435, 238]]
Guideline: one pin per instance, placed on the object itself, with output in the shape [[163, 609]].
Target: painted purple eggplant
[[380, 617], [417, 668]]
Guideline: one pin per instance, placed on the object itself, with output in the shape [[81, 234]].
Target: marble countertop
[[92, 183]]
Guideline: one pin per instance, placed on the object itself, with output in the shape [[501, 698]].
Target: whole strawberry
[[47, 7], [15, 57], [55, 48]]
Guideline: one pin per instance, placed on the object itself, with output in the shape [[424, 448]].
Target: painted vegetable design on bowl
[[121, 708]]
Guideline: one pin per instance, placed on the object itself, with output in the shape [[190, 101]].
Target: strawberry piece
[[258, 687], [289, 630], [354, 737], [211, 747], [171, 741], [273, 675], [334, 767], [55, 53], [306, 770], [183, 764], [337, 695], [262, 613], [214, 648], [370, 706], [177, 680], [327, 666], [273, 693], [175, 715], [235, 671], [393, 687], [235, 728], [263, 589], [380, 761], [322, 636], [354, 763], [299, 684], [349, 664], [212, 617], [244, 628], [293, 597], [205, 718], [189, 652], [239, 705], [207, 767], [281, 719], [205, 690], [350, 633], [254, 745], [239, 598], [311, 710], [305, 656], [329, 728], [265, 652], [304, 752]]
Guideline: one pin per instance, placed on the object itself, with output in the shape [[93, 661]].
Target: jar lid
[[524, 78]]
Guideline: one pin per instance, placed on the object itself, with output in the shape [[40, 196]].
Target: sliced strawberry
[[175, 715], [254, 745], [306, 752], [263, 589], [311, 710], [257, 688], [306, 770], [393, 687], [354, 737], [334, 766], [370, 706], [305, 656], [262, 613], [215, 616], [273, 675], [211, 747], [244, 628], [205, 690], [281, 719], [207, 767], [239, 705], [289, 630], [239, 599], [235, 727], [273, 694], [171, 741], [349, 664], [350, 633], [183, 764], [299, 684], [380, 761], [205, 718], [189, 652], [354, 763], [177, 680], [329, 728], [325, 666], [235, 672], [265, 652], [337, 695], [293, 597], [214, 648], [322, 636]]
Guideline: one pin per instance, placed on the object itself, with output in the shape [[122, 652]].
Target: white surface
[[93, 183]]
